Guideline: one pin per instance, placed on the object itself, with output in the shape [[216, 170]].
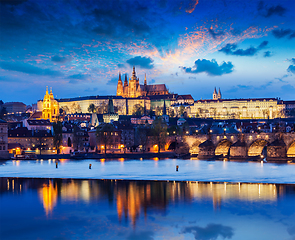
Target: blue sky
[[78, 47]]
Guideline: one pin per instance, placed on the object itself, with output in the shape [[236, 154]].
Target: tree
[[173, 130], [2, 112], [57, 139], [65, 109], [78, 138], [158, 111], [103, 134], [75, 108], [91, 108], [103, 108], [141, 136], [159, 132], [171, 113], [69, 142], [181, 110], [265, 113], [138, 110]]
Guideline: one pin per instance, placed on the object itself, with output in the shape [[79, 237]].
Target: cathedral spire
[[145, 79], [134, 74], [120, 86], [126, 81], [120, 80], [46, 89]]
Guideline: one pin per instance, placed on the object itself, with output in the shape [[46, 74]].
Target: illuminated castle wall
[[251, 108]]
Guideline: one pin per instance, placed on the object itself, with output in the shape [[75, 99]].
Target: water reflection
[[134, 198], [120, 209], [48, 195]]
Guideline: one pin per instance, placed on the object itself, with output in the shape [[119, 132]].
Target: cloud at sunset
[[212, 68], [231, 49], [142, 62], [88, 42]]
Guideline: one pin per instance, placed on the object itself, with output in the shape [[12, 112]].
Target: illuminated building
[[46, 109], [15, 107], [50, 107], [251, 108], [133, 89]]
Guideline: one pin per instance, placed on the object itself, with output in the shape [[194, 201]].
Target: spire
[[215, 94], [126, 81], [145, 80], [46, 89], [164, 108], [219, 94], [134, 74], [120, 86], [111, 106], [120, 80]]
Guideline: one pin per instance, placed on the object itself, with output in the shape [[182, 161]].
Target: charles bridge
[[241, 145]]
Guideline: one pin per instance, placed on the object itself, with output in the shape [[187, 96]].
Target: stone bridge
[[242, 145]]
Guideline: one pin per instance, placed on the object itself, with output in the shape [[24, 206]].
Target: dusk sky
[[78, 47]]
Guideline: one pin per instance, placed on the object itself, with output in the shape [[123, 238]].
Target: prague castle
[[133, 89], [155, 97]]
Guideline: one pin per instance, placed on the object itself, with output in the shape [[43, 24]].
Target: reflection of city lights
[[48, 195]]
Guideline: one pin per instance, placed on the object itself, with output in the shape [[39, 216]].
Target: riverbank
[[134, 155]]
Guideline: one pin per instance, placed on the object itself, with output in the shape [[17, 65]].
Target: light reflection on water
[[120, 209]]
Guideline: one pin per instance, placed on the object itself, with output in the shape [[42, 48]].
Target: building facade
[[252, 108], [15, 107]]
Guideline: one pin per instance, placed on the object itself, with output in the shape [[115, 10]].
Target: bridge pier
[[206, 149], [277, 149], [238, 150]]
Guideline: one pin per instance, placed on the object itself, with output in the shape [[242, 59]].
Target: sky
[[78, 47]]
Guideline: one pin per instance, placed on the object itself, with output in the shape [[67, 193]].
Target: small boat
[[24, 157]]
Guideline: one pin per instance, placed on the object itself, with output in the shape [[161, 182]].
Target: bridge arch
[[291, 150], [223, 147], [195, 147], [257, 147]]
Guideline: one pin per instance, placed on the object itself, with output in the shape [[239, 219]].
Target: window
[[3, 147], [0, 147]]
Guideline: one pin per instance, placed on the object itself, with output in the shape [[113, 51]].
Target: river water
[[154, 169], [204, 200]]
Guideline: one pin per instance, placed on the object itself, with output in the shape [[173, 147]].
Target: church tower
[[133, 84], [219, 94], [215, 94], [50, 107], [120, 86], [46, 112]]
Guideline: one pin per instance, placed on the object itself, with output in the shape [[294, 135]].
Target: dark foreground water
[[108, 209]]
